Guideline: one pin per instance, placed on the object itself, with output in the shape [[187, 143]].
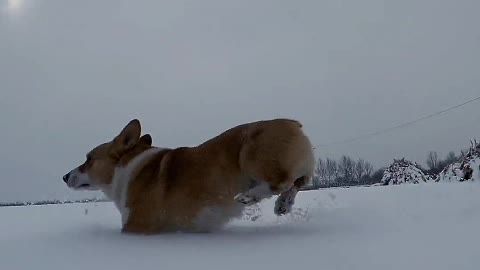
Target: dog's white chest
[[118, 191]]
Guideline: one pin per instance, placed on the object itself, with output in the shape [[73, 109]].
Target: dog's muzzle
[[66, 177], [79, 181]]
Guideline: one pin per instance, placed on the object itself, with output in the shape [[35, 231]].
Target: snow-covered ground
[[431, 226]]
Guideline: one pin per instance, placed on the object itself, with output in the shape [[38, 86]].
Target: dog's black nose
[[65, 177]]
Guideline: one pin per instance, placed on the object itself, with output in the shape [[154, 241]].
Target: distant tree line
[[46, 202], [436, 164], [345, 172]]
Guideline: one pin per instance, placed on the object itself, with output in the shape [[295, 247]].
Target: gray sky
[[73, 73]]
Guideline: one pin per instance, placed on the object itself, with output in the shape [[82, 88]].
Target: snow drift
[[467, 168], [403, 171]]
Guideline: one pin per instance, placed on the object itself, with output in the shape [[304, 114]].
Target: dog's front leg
[[255, 194]]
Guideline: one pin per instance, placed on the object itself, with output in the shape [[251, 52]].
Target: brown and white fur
[[197, 188]]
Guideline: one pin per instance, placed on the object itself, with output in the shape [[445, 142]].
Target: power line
[[378, 132]]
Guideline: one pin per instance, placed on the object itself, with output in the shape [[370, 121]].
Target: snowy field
[[427, 226]]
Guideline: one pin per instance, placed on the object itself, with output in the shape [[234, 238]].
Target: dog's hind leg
[[284, 202]]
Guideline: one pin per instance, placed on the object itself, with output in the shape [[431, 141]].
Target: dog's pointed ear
[[146, 139], [128, 137]]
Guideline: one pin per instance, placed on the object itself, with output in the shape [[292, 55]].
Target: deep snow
[[430, 226]]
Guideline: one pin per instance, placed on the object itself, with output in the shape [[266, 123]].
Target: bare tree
[[359, 170], [346, 167], [368, 169], [332, 170], [362, 169], [432, 160], [350, 165], [320, 173], [451, 158]]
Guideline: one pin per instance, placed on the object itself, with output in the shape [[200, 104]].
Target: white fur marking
[[122, 176]]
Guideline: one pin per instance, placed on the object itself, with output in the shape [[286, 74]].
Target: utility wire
[[378, 132]]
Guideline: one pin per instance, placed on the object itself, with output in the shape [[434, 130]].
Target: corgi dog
[[201, 188]]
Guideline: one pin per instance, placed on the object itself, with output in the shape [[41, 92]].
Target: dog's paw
[[282, 209], [246, 199], [283, 205]]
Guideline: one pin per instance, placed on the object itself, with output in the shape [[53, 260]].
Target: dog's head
[[99, 166]]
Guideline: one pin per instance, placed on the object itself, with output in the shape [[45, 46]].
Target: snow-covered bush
[[467, 168], [402, 171]]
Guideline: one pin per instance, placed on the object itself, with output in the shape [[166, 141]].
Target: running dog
[[201, 188]]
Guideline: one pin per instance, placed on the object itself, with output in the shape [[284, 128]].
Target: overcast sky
[[73, 73]]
